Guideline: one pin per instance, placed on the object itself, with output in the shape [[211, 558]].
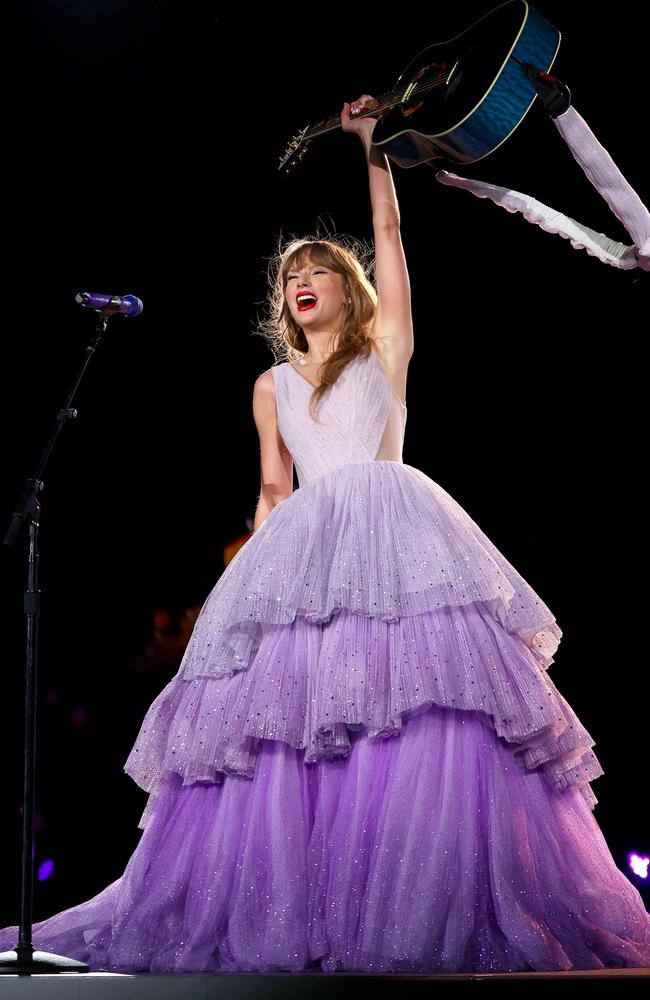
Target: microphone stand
[[25, 959]]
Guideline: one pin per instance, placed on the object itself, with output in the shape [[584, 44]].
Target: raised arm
[[393, 329]]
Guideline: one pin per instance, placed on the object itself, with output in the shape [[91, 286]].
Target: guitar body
[[464, 97]]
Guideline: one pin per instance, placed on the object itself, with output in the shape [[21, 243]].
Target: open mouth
[[306, 301]]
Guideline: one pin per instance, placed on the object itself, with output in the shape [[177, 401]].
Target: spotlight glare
[[638, 864]]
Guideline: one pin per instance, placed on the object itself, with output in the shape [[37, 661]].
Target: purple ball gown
[[362, 763]]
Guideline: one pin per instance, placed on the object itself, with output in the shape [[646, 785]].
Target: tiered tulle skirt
[[363, 764]]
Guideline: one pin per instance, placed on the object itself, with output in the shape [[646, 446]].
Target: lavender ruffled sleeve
[[608, 181]]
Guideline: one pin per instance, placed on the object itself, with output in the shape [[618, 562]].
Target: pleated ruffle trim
[[366, 595], [311, 685], [379, 539]]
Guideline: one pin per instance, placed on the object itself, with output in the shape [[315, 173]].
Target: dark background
[[143, 159]]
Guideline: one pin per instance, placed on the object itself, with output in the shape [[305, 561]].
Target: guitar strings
[[390, 99]]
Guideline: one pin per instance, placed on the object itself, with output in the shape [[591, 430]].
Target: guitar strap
[[608, 181]]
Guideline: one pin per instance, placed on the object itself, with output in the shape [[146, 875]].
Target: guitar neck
[[376, 108], [379, 105]]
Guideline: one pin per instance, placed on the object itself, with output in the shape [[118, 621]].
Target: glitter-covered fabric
[[362, 762]]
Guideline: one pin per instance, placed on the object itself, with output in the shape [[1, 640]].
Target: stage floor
[[314, 984]]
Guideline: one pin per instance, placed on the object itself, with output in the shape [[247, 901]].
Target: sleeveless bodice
[[359, 419]]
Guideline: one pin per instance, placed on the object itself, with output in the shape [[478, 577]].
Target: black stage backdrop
[[143, 159]]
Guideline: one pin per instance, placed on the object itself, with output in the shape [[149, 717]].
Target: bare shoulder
[[394, 360], [265, 382]]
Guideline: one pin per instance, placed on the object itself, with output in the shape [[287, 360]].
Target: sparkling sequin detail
[[366, 594]]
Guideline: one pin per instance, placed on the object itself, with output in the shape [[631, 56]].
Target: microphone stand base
[[28, 962]]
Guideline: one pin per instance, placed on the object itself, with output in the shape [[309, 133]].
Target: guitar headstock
[[294, 151]]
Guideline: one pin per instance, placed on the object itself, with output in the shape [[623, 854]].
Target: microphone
[[108, 305]]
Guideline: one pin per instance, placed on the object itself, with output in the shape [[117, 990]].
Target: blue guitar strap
[[608, 181]]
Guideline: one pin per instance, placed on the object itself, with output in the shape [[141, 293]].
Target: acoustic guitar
[[458, 100]]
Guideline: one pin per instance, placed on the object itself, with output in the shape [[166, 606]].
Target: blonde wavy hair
[[352, 259]]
